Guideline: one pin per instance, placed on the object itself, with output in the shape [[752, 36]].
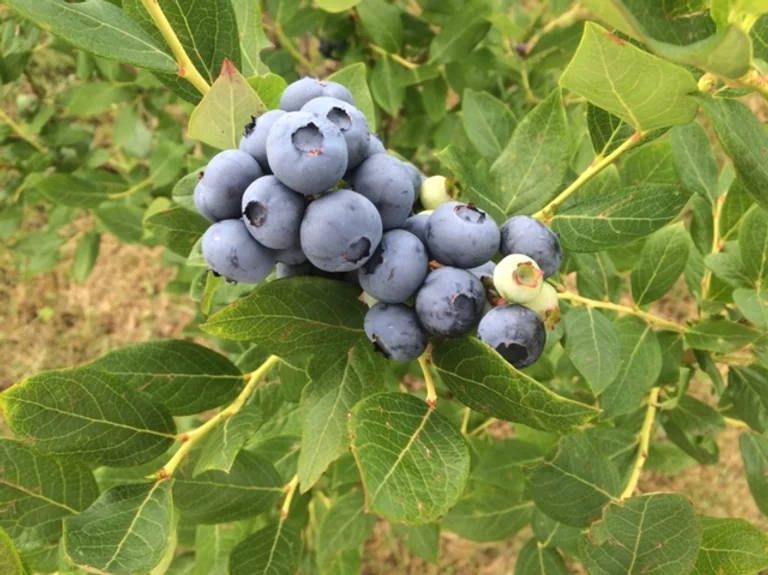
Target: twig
[[290, 490], [567, 18], [645, 439], [482, 427], [396, 57], [716, 212], [431, 398], [650, 318], [735, 423], [19, 131], [189, 440], [291, 48], [597, 166], [465, 420], [132, 190], [187, 69]]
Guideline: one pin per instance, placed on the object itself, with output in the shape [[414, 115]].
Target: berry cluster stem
[[187, 69], [431, 398], [644, 439], [597, 166], [290, 490], [192, 438], [650, 318]]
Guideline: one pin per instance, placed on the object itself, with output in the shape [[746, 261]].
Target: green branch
[[19, 131], [644, 439], [431, 398]]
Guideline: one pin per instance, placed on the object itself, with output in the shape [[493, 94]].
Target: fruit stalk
[[431, 398], [187, 69], [644, 439], [193, 437]]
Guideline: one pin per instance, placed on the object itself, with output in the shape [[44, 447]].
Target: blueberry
[[434, 192], [272, 213], [516, 332], [349, 120], [385, 181], [518, 279], [525, 235], [417, 225], [302, 91], [396, 269], [484, 271], [395, 331], [546, 305], [417, 178], [287, 271], [254, 140], [461, 235], [340, 231], [219, 192], [231, 252], [293, 255], [450, 302], [374, 146], [306, 152]]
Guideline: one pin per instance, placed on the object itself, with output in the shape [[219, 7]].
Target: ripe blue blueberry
[[385, 181], [396, 269], [518, 279], [306, 152], [254, 140], [287, 271], [219, 192], [461, 235], [231, 252], [417, 178], [374, 146], [349, 120], [417, 225], [302, 91], [340, 231], [516, 332], [292, 255], [525, 235], [450, 302], [395, 331], [272, 213]]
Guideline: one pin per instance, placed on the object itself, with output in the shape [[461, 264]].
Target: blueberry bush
[[402, 224]]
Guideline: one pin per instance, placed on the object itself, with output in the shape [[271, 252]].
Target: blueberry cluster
[[275, 201]]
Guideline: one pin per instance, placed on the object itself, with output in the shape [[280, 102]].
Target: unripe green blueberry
[[546, 305], [435, 192], [518, 279]]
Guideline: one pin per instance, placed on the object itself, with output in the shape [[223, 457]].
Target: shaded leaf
[[421, 540], [274, 550], [346, 525], [661, 264], [487, 121], [694, 160], [730, 546], [719, 335], [593, 346], [536, 560], [754, 453], [224, 442], [461, 33], [353, 78], [175, 227], [488, 514]]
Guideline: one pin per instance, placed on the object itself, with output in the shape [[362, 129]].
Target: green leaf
[[219, 118], [86, 252], [753, 245], [272, 550], [737, 205], [618, 217], [337, 5], [176, 227], [460, 34], [719, 335], [353, 78], [534, 163], [619, 445], [661, 264], [126, 531], [657, 532], [346, 525], [482, 380], [37, 491], [728, 267], [251, 486], [753, 304], [87, 415], [742, 137], [69, 190], [387, 86], [422, 540], [193, 21], [185, 377], [536, 560], [93, 99], [10, 562], [214, 543], [487, 121], [488, 514], [649, 164], [121, 220], [184, 190], [593, 346], [401, 447], [692, 426], [574, 481], [694, 160], [605, 70], [225, 441], [754, 452], [748, 392], [294, 316], [608, 132], [335, 387], [640, 367], [268, 88], [730, 546], [252, 37], [501, 464], [97, 27], [476, 186], [382, 24]]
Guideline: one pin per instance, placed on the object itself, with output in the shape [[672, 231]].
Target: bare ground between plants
[[49, 322]]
